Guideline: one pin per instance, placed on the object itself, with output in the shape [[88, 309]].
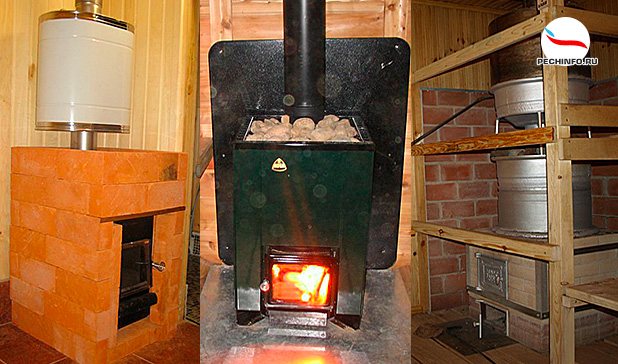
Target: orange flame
[[300, 283]]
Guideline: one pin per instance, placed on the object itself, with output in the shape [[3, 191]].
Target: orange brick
[[165, 195], [180, 222], [182, 167], [99, 325], [129, 168], [78, 228], [37, 218], [67, 195], [34, 161], [63, 340], [90, 352], [64, 312], [32, 323], [78, 259], [105, 235], [84, 292], [117, 200], [14, 264], [80, 166], [37, 274], [28, 243], [27, 188], [27, 295]]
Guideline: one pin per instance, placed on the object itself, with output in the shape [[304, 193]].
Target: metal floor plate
[[384, 336]]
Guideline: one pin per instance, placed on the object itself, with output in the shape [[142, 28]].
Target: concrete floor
[[384, 336]]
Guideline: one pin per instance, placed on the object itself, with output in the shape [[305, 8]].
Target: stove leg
[[246, 318], [352, 321]]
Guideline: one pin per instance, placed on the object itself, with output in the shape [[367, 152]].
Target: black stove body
[[365, 78]]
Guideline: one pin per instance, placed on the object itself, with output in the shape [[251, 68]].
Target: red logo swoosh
[[567, 42]]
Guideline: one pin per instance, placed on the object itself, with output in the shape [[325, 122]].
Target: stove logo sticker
[[279, 165], [565, 42]]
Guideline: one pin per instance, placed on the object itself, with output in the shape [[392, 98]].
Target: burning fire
[[300, 282]]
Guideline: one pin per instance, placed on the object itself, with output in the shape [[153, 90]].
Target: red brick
[[439, 158], [441, 191], [483, 131], [486, 207], [599, 221], [435, 247], [429, 97], [612, 187], [432, 173], [38, 274], [439, 266], [453, 98], [451, 248], [473, 116], [457, 209], [485, 171], [462, 263], [446, 301], [456, 172], [598, 187], [455, 283], [454, 132], [485, 104], [610, 170], [434, 115], [473, 157], [474, 190], [476, 223], [612, 223], [603, 90], [433, 211], [611, 102], [606, 206], [436, 285]]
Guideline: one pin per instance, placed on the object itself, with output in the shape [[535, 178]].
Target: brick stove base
[[65, 247], [590, 325]]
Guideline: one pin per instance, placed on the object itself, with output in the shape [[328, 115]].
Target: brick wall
[[461, 189], [605, 175]]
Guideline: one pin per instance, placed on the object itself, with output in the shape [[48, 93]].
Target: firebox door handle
[[159, 266]]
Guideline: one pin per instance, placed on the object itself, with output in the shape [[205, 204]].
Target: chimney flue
[[89, 6], [304, 23]]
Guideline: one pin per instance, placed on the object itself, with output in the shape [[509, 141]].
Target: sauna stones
[[331, 128]]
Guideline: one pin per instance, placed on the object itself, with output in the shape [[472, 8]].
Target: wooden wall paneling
[[6, 105], [440, 31]]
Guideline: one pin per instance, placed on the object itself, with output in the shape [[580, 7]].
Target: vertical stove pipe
[[304, 23]]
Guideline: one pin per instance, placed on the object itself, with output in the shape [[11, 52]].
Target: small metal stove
[[302, 221]]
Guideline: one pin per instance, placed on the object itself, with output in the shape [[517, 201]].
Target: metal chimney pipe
[[304, 23], [89, 6], [86, 140]]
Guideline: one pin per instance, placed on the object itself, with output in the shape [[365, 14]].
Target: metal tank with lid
[[85, 72]]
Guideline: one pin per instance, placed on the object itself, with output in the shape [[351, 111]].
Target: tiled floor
[[17, 347]]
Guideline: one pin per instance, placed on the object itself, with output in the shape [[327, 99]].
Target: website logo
[[565, 42]]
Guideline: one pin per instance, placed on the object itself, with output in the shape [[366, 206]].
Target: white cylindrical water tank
[[85, 72]]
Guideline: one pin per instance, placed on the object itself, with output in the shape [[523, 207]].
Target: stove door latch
[[159, 266], [265, 286]]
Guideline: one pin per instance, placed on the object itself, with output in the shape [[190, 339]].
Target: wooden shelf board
[[584, 149], [530, 249], [602, 293], [589, 115], [495, 141], [596, 240], [597, 23], [478, 50]]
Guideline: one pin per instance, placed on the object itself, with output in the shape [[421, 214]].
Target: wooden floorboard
[[431, 351]]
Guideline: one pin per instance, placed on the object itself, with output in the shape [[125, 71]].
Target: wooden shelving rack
[[561, 149]]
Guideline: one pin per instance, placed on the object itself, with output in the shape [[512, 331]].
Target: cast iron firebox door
[[320, 198]]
